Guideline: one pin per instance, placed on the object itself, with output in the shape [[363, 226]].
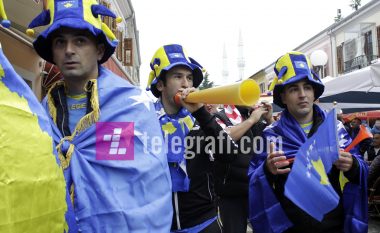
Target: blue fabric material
[[313, 161], [77, 109], [197, 228], [17, 85], [174, 126], [266, 213], [121, 195]]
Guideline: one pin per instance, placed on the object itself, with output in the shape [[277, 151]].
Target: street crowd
[[210, 168]]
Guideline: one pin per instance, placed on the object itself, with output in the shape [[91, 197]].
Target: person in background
[[211, 108], [374, 173], [376, 127], [374, 149], [244, 125], [353, 132]]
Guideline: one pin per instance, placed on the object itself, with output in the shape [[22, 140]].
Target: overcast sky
[[269, 29]]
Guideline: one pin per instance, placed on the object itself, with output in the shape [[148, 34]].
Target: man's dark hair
[[358, 119]]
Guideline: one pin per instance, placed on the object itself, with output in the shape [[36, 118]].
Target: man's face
[[299, 98], [176, 78], [211, 108], [376, 140], [76, 53], [355, 123]]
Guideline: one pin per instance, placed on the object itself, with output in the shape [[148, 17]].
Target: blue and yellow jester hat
[[167, 57], [291, 68], [77, 14]]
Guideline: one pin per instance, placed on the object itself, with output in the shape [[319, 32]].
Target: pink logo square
[[114, 141]]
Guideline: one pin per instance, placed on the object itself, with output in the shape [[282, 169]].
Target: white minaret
[[240, 62], [225, 67]]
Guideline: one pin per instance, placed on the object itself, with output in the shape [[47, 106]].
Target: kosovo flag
[[313, 161], [32, 186]]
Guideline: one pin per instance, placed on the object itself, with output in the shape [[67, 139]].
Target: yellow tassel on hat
[[108, 32], [150, 79], [274, 82], [119, 20], [204, 70], [2, 11]]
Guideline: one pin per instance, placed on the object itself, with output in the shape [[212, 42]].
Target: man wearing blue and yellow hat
[[296, 87], [102, 126], [187, 128]]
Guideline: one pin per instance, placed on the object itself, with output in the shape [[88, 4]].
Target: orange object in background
[[363, 134]]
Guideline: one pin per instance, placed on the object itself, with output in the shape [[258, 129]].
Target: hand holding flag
[[276, 161], [344, 162]]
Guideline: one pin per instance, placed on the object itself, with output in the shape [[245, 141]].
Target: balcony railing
[[358, 63]]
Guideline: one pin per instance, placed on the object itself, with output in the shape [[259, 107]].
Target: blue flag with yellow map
[[307, 185], [33, 195]]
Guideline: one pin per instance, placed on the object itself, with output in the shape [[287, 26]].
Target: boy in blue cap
[[296, 87], [193, 137], [102, 126]]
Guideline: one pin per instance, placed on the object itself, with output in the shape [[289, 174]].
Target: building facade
[[350, 44]]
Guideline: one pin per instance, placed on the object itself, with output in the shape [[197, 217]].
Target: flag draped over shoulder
[[114, 162], [313, 161], [32, 186]]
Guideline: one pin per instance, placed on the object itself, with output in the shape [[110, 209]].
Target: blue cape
[[117, 195], [265, 211]]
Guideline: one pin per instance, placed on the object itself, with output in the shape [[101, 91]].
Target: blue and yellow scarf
[[175, 128]]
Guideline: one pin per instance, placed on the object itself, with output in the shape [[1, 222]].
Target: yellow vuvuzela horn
[[245, 93]]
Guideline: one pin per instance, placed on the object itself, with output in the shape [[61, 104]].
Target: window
[[262, 87], [128, 51], [339, 57], [111, 23], [368, 46], [378, 40]]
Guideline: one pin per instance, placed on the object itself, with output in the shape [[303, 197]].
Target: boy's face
[[176, 78], [76, 53]]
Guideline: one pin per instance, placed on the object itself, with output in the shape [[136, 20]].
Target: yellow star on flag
[[320, 168]]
